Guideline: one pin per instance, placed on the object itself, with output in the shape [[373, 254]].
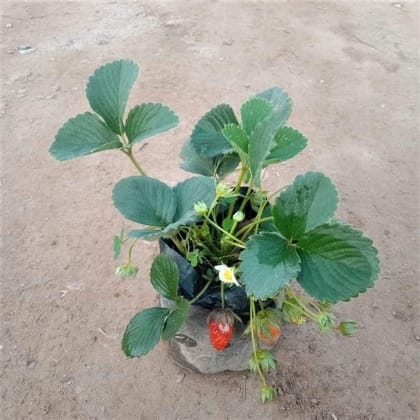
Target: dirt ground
[[352, 71]]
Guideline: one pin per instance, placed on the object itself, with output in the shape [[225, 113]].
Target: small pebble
[[180, 377], [31, 364], [314, 401], [26, 49], [8, 25], [417, 337], [394, 313]]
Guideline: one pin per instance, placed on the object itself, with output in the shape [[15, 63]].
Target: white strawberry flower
[[227, 274]]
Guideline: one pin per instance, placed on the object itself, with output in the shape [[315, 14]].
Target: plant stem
[[222, 294], [130, 250], [179, 244], [202, 291], [129, 153], [251, 225], [254, 342], [301, 301], [302, 309], [223, 231], [241, 208], [276, 192], [236, 244], [244, 170]]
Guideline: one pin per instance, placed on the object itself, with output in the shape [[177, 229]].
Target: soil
[[352, 70]]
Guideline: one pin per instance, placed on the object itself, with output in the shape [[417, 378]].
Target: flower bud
[[325, 321], [223, 190], [126, 270], [258, 199], [200, 208], [239, 216], [267, 393], [348, 327], [291, 311]]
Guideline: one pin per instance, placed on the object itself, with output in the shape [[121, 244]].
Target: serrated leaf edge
[[166, 107], [374, 256]]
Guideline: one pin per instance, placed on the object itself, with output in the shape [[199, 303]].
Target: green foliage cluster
[[268, 241]]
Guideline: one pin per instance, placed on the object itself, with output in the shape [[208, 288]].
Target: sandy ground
[[352, 71]]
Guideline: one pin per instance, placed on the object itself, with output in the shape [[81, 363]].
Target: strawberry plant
[[252, 256]]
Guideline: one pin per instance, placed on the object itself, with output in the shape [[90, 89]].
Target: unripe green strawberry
[[221, 325], [270, 334]]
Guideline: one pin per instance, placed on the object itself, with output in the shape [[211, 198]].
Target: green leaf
[[83, 135], [226, 164], [150, 202], [254, 111], [288, 142], [145, 200], [268, 265], [194, 162], [164, 276], [188, 193], [108, 89], [238, 140], [337, 261], [207, 137], [260, 143], [146, 120], [146, 234], [176, 318], [280, 100], [218, 166], [261, 139], [310, 201], [117, 247], [144, 331], [227, 224]]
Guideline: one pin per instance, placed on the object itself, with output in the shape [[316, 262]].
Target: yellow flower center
[[228, 275]]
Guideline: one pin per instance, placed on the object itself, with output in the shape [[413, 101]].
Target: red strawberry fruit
[[221, 325]]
